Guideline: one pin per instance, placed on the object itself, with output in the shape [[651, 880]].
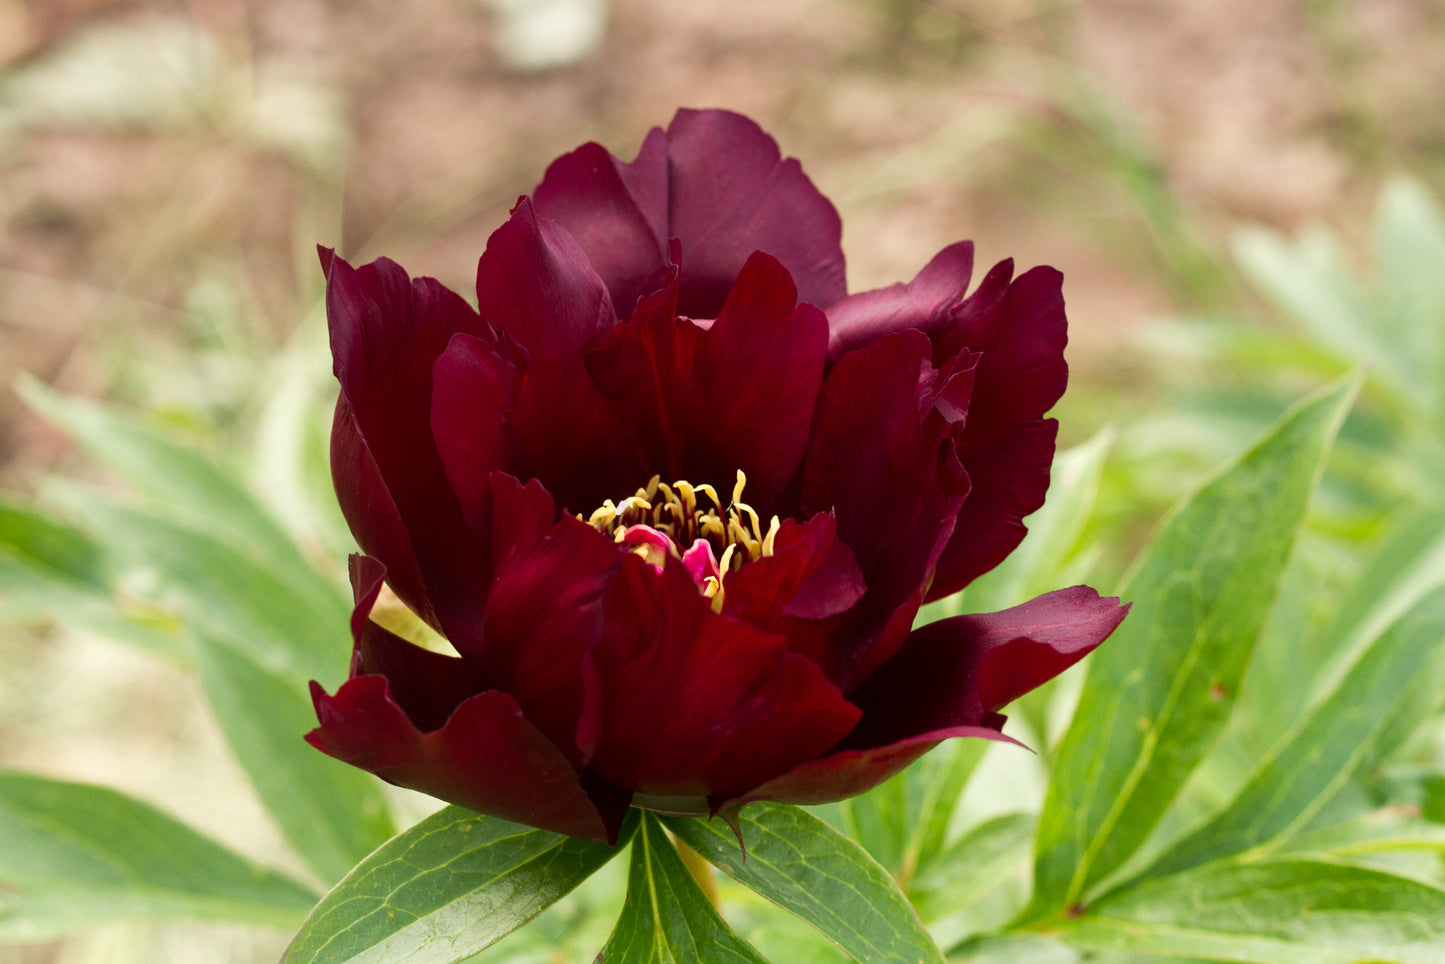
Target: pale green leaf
[[1323, 912], [1159, 692], [1362, 719], [74, 855]]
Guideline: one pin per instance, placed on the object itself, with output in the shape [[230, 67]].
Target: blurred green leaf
[[1272, 911], [333, 814], [285, 617], [1158, 694], [49, 570], [1371, 709], [800, 863], [1381, 832], [1014, 949], [73, 856], [176, 480], [440, 892], [667, 918], [979, 882]]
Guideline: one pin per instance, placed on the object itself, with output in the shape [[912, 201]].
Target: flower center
[[689, 523]]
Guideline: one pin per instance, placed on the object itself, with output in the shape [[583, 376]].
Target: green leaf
[[667, 919], [1014, 949], [1328, 912], [77, 855], [1385, 831], [51, 571], [800, 863], [980, 882], [1158, 693], [440, 892], [285, 617], [1361, 720], [177, 479], [333, 814]]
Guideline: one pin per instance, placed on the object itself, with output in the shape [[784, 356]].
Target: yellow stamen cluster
[[685, 513]]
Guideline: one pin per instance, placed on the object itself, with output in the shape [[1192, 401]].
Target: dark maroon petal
[[1010, 476], [427, 686], [703, 403], [386, 333], [471, 398], [810, 577], [371, 514], [881, 459], [535, 283], [616, 211], [733, 194], [545, 612], [695, 703], [1006, 443], [486, 757], [956, 672], [925, 303], [848, 773]]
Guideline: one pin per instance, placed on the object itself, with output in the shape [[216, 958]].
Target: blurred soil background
[[166, 170]]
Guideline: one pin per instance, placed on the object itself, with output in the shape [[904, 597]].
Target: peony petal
[[386, 333], [1018, 330], [427, 686], [471, 399], [881, 460], [545, 612], [810, 577], [731, 194], [958, 671], [1006, 444], [371, 514], [847, 773], [695, 703], [703, 403], [486, 757], [924, 303], [948, 680], [617, 213], [535, 283]]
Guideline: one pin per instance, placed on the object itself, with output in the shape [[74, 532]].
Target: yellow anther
[[727, 559], [772, 535], [711, 493], [738, 488]]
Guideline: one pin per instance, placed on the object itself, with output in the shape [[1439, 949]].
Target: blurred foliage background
[[1239, 192]]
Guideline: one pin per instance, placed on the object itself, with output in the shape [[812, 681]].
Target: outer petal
[[535, 283], [733, 194], [882, 460], [616, 211], [1019, 330], [925, 303], [427, 686], [1006, 444], [486, 757], [544, 615], [386, 332], [423, 720], [371, 514], [703, 403], [955, 672], [947, 681], [471, 403], [695, 703]]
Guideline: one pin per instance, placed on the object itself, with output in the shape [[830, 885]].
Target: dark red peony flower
[[675, 497]]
